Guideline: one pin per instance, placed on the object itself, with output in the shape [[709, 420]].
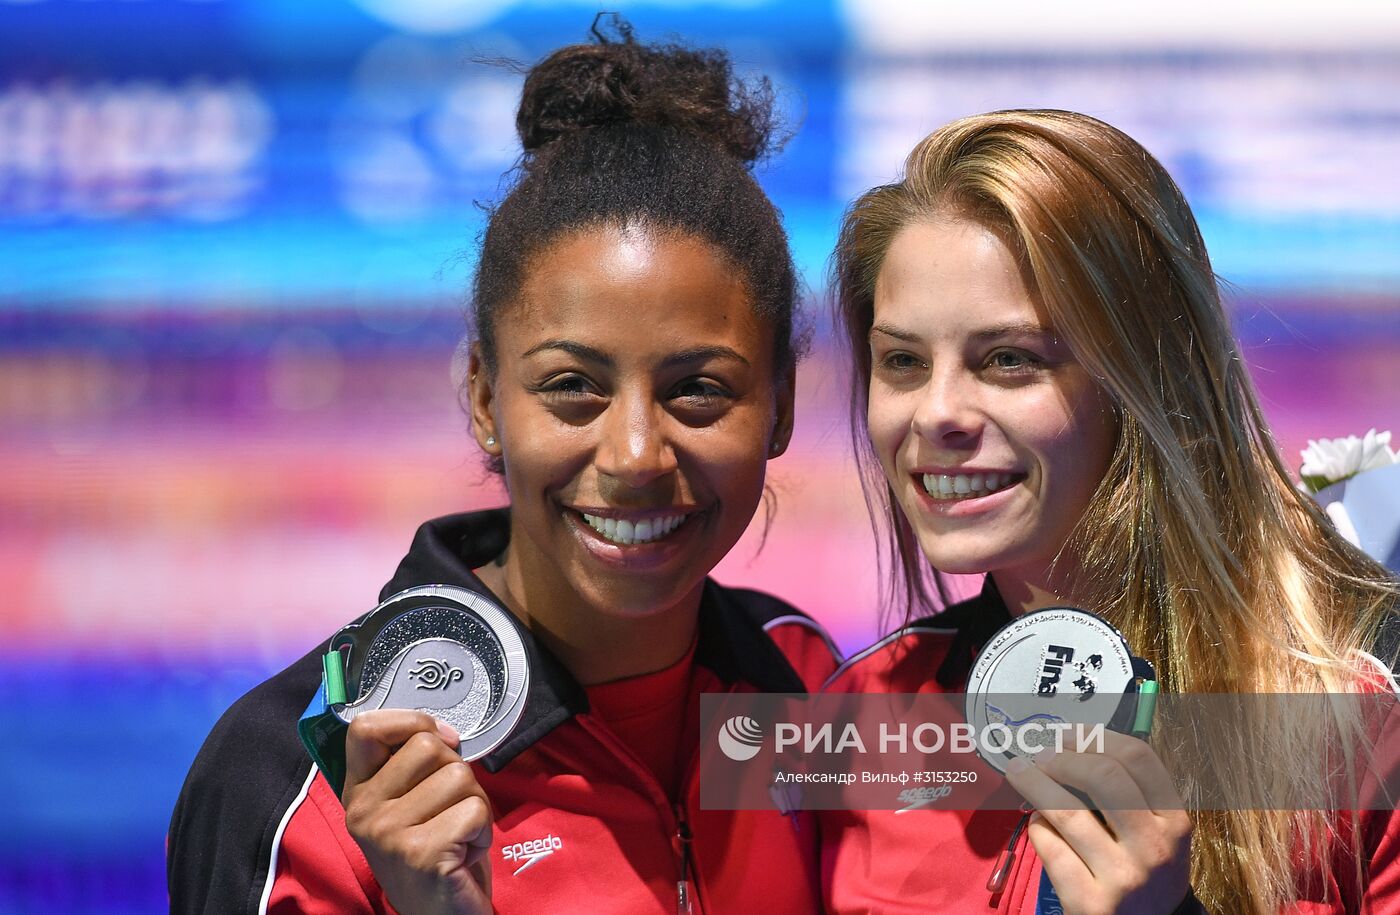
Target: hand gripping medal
[[447, 651], [1057, 669]]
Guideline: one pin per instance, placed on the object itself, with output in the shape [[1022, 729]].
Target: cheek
[[727, 466], [1096, 427], [732, 456], [1077, 444], [541, 450], [528, 473], [1101, 432], [887, 422]]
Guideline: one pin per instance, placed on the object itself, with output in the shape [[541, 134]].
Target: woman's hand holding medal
[[1132, 853], [418, 813], [1109, 825]]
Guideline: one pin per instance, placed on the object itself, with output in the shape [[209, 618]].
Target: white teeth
[[952, 486], [629, 532]]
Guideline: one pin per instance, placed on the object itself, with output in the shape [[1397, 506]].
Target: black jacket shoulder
[[249, 772], [760, 606]]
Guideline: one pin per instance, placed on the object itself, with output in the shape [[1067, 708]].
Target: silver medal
[[1056, 668], [452, 653]]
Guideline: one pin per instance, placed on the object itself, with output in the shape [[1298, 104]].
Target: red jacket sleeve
[[319, 867], [1381, 825]]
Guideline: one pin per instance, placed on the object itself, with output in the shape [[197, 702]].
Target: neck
[[1023, 592], [595, 646]]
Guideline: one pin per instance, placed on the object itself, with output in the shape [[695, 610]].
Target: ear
[[481, 393], [783, 418]]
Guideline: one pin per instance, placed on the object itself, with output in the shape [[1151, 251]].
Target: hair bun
[[618, 80]]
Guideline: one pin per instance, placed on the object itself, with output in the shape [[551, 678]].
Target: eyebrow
[[684, 357], [891, 331], [1013, 329], [573, 348], [701, 354]]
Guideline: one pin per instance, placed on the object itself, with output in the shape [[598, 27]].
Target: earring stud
[[490, 441]]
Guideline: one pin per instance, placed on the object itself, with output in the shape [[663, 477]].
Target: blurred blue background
[[234, 243]]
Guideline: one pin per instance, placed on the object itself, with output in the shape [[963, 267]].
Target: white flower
[[1332, 460]]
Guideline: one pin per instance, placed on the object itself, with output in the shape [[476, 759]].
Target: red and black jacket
[[581, 824], [932, 859]]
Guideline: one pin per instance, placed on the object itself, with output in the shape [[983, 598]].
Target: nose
[[635, 449], [949, 413]]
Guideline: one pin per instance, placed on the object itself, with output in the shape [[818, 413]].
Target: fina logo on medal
[[741, 738], [1055, 659]]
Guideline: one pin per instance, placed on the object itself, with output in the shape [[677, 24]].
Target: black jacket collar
[[731, 643], [976, 620]]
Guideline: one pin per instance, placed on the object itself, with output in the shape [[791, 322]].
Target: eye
[[1013, 362], [568, 387], [900, 361], [701, 392]]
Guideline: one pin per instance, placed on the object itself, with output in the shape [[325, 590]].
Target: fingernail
[[1017, 765], [449, 733]]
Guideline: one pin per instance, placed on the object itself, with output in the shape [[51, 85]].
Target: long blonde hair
[[1196, 544]]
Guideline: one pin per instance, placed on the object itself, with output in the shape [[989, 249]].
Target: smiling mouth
[[953, 487], [627, 532]]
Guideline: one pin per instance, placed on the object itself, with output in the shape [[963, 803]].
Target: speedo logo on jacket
[[533, 851]]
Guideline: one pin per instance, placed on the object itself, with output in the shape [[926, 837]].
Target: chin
[[965, 558], [961, 565], [627, 600]]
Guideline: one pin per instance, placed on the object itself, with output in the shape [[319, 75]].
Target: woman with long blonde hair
[[1047, 390]]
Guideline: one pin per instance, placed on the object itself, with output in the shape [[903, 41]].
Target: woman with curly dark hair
[[631, 375]]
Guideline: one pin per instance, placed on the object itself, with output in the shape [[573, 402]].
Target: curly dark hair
[[618, 132]]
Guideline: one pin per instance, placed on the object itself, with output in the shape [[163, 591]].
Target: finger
[[456, 845], [1068, 873], [479, 841], [446, 787], [457, 834], [1167, 834], [1147, 770], [473, 811], [420, 757], [1072, 820], [392, 726], [468, 822], [1109, 785], [481, 872], [374, 736]]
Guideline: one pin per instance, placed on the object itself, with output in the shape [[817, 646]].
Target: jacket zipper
[[683, 838], [1001, 873], [687, 901]]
